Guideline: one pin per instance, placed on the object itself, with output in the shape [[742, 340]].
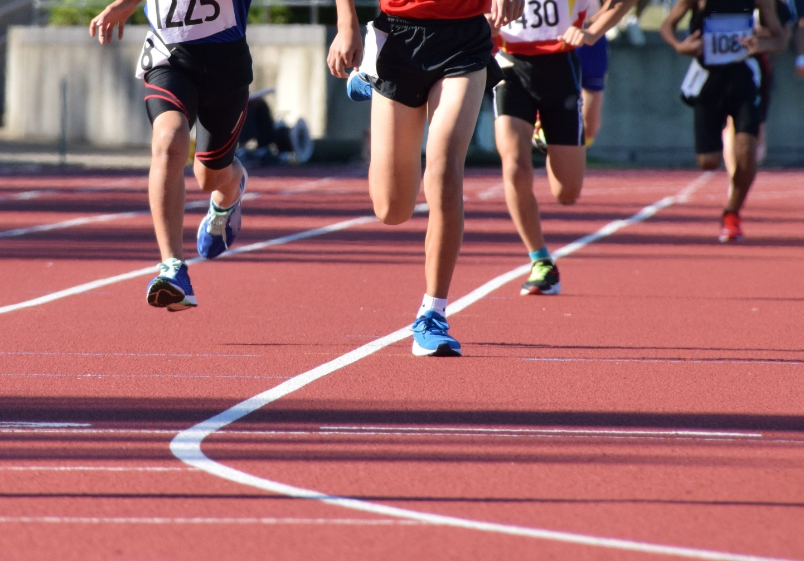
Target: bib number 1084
[[190, 16], [724, 43], [538, 13]]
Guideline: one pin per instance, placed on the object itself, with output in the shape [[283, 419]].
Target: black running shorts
[[729, 91], [208, 84], [417, 53], [549, 85]]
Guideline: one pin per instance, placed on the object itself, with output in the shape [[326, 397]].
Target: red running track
[[652, 410]]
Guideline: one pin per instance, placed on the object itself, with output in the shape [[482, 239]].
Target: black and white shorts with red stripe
[[216, 106]]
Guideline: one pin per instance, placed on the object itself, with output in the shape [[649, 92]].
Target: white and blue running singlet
[[189, 22]]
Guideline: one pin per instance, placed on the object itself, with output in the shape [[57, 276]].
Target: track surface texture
[[652, 410]]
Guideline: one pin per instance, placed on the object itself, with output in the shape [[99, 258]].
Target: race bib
[[178, 21], [722, 38], [542, 20], [154, 53], [694, 81]]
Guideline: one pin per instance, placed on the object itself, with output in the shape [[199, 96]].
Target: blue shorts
[[594, 65]]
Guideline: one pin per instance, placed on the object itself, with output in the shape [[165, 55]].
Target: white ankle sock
[[432, 303]]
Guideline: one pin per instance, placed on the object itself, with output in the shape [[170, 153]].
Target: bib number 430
[[191, 17], [538, 13]]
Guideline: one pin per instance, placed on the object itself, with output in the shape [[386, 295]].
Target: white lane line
[[28, 195], [186, 446], [87, 287], [162, 521], [670, 361], [96, 468], [495, 191], [140, 376], [82, 221], [37, 425], [622, 432]]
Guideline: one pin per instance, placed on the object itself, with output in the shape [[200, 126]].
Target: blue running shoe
[[171, 289], [430, 337], [358, 87], [219, 228]]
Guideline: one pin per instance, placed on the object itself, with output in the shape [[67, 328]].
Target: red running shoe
[[730, 230]]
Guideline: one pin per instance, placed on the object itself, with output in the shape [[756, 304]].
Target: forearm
[[611, 13], [347, 15]]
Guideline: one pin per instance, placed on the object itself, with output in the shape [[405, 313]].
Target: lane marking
[[186, 446], [36, 424], [626, 432], [161, 521], [82, 221], [780, 362], [28, 195], [96, 468], [191, 355], [87, 287], [209, 376]]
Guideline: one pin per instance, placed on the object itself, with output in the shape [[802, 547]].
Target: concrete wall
[[105, 100], [644, 121]]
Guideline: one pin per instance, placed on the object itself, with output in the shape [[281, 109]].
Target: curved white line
[[186, 446]]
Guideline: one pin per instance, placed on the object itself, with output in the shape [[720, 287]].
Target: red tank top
[[435, 9]]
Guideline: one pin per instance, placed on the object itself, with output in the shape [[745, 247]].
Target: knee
[[567, 194], [518, 172], [708, 162], [392, 214], [170, 144]]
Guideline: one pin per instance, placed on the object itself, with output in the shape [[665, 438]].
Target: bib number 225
[[190, 17]]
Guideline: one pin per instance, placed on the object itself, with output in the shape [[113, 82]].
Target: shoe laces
[[217, 224], [170, 268], [540, 269], [430, 324]]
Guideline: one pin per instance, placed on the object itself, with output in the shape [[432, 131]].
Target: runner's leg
[[453, 105], [169, 148], [566, 166], [745, 150], [395, 171], [513, 143]]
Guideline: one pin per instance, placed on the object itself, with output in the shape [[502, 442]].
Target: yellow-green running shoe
[[543, 278]]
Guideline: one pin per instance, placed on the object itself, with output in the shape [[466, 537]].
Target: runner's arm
[[608, 16], [115, 13], [346, 50], [693, 44], [504, 12], [773, 38]]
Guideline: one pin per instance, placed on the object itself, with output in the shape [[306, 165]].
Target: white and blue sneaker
[[430, 337], [358, 87], [171, 288], [219, 228]]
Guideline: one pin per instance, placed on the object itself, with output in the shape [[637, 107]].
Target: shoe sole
[[442, 350], [730, 239], [162, 294], [536, 291]]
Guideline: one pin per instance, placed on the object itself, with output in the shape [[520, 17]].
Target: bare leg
[[513, 143], [453, 106], [566, 166], [745, 150], [592, 114], [169, 148], [224, 184], [709, 161], [729, 157], [395, 171]]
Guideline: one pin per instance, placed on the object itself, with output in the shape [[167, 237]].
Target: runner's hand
[[504, 12], [494, 30], [692, 45], [345, 52], [577, 37], [115, 13], [754, 44]]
